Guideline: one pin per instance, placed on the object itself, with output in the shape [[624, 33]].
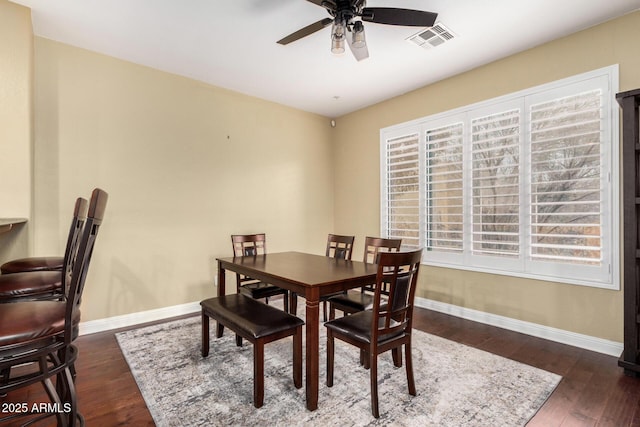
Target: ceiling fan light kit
[[358, 39], [337, 37], [348, 16]]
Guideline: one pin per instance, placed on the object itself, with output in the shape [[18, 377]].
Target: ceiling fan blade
[[395, 16], [359, 53], [303, 32]]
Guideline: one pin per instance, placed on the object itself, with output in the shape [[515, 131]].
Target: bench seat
[[259, 324]]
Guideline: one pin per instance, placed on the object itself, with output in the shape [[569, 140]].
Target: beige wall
[[185, 165], [16, 65], [584, 310]]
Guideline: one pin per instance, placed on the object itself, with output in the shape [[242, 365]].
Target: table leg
[[312, 350], [221, 291]]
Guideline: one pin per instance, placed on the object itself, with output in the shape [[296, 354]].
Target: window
[[403, 188], [525, 185]]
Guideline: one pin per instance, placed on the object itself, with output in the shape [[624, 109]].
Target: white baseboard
[[599, 345], [125, 320], [587, 342]]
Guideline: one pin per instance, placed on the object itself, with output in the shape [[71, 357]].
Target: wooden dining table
[[310, 276]]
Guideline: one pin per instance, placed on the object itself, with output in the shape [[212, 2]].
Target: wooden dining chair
[[37, 282], [388, 325], [51, 263], [355, 301], [255, 245], [338, 247], [41, 334]]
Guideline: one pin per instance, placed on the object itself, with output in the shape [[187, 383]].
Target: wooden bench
[[259, 324]]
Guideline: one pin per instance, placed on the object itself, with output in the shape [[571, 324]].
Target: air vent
[[432, 37]]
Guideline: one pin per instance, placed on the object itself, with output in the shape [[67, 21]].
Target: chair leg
[[51, 391], [238, 340], [294, 304], [258, 373], [324, 311], [64, 382], [71, 398], [297, 357], [396, 353], [205, 335], [285, 302], [332, 312], [373, 372], [330, 352], [409, 363]]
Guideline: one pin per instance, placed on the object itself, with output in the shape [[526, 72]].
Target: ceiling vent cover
[[432, 37]]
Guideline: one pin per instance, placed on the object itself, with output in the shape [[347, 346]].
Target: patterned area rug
[[457, 385]]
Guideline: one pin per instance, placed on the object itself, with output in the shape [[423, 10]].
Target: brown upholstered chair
[[255, 245], [258, 323], [51, 263], [41, 334], [355, 301], [387, 326], [36, 282], [338, 247]]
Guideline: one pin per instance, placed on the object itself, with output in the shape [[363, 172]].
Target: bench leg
[[297, 357], [220, 330], [205, 334], [258, 373]]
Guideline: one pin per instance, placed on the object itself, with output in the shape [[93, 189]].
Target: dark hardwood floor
[[593, 391]]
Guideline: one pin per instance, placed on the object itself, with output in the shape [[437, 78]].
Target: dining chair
[[338, 247], [355, 301], [40, 335], [255, 245], [387, 326], [51, 263], [38, 283]]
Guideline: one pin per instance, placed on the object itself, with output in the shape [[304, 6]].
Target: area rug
[[456, 385]]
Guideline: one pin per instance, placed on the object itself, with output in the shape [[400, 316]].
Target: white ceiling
[[232, 43]]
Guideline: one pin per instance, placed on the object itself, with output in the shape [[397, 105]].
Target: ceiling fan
[[347, 17]]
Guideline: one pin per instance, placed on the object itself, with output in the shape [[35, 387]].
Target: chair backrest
[[97, 206], [374, 245], [71, 250], [339, 247], [249, 244], [399, 272]]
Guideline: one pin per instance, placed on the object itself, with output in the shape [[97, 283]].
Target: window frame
[[607, 274]]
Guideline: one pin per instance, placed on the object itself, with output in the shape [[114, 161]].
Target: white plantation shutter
[[566, 181], [402, 190], [495, 168], [444, 188], [523, 185]]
